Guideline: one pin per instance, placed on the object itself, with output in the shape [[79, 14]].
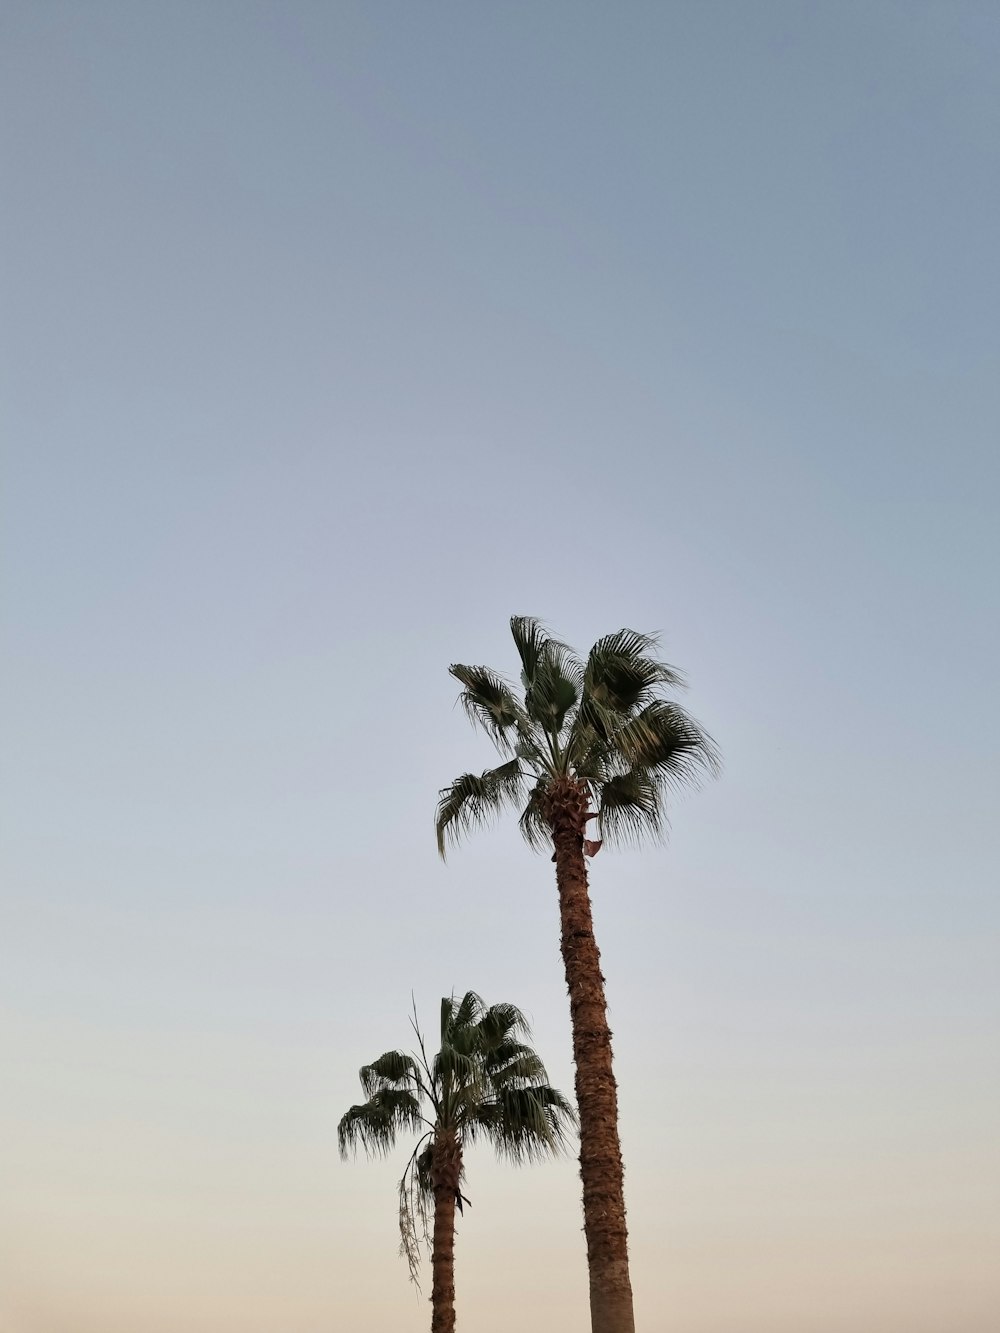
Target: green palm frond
[[475, 800], [393, 1069], [553, 693], [458, 1017], [587, 745], [500, 1023], [551, 674], [456, 1069], [489, 702], [524, 1123], [534, 830], [513, 1062], [631, 807], [622, 673], [594, 727], [533, 752], [664, 737], [533, 642], [375, 1125]]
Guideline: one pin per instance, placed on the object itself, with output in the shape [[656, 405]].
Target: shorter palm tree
[[484, 1083]]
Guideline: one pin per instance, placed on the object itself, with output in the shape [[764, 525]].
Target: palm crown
[[601, 725], [485, 1082]]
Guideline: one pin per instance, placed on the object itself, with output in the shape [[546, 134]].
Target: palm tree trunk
[[596, 1091], [446, 1172]]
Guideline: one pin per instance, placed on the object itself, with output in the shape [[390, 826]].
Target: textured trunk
[[596, 1091], [446, 1172]]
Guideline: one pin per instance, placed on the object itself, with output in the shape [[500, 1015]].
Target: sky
[[333, 336]]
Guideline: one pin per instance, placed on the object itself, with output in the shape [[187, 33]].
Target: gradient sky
[[334, 334]]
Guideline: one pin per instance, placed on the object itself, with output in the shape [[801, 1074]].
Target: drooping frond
[[524, 1123], [415, 1200], [374, 1125], [489, 702], [534, 830], [473, 801], [631, 807]]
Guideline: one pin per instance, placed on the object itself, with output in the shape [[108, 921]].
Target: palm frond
[[459, 1015], [631, 807], [534, 830], [586, 746], [415, 1198], [473, 801], [457, 1069], [489, 702], [374, 1125], [662, 736], [555, 689], [513, 1062], [593, 728], [530, 637], [622, 673], [499, 1023], [392, 1069], [524, 1124], [531, 750], [552, 695]]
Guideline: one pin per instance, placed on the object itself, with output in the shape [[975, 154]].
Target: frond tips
[[473, 801]]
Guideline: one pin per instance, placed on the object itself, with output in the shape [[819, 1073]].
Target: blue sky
[[333, 336]]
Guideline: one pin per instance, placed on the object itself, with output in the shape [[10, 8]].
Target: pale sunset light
[[335, 336]]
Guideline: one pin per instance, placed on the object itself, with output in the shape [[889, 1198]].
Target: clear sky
[[333, 335]]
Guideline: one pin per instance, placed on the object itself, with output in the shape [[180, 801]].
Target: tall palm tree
[[484, 1083], [586, 740]]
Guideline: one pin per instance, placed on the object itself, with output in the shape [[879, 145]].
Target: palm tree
[[586, 740], [484, 1083]]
